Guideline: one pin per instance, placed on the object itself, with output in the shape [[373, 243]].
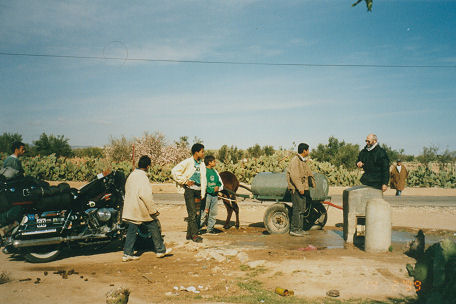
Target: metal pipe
[[53, 241]]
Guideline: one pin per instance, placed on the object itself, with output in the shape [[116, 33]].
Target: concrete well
[[378, 226], [354, 203]]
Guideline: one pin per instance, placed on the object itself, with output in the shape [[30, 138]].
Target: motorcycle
[[90, 216]]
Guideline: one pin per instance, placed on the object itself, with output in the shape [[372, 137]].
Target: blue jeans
[[152, 228], [211, 204]]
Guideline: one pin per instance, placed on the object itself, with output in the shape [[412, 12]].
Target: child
[[214, 185]]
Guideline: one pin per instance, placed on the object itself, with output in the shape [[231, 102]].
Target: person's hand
[[190, 183], [216, 189], [156, 213], [301, 192], [384, 187], [360, 164]]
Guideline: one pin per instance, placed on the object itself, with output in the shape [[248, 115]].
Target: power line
[[228, 62]]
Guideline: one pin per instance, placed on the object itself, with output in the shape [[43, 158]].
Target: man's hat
[[399, 160]]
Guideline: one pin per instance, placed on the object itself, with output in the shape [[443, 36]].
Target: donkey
[[230, 186]]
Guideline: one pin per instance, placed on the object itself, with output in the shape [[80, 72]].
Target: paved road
[[433, 201]]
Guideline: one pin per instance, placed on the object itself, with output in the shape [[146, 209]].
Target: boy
[[214, 185]]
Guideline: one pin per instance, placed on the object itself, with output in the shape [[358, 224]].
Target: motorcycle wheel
[[42, 254]]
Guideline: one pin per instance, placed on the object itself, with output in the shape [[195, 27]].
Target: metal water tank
[[274, 186]]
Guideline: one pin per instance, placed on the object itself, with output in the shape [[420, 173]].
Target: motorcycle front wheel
[[42, 254]]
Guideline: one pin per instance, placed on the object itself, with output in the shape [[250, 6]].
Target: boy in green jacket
[[214, 185]]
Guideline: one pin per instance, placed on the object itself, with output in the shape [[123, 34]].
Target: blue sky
[[90, 100]]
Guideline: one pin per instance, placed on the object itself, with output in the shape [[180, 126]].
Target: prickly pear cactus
[[435, 272]]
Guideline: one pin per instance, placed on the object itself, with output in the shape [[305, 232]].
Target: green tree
[[119, 149], [429, 155], [255, 151], [7, 139], [268, 150], [93, 152], [230, 154], [47, 145], [337, 153]]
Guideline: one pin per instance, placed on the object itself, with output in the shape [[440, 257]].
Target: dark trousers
[[193, 213], [298, 210], [153, 230]]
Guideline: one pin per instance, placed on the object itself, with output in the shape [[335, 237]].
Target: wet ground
[[329, 238], [395, 201]]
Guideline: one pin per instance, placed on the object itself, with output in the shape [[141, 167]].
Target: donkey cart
[[271, 186]]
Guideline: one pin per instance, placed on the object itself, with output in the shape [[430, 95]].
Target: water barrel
[[273, 186]]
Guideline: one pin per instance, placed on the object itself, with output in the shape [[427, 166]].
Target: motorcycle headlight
[[103, 214], [24, 220]]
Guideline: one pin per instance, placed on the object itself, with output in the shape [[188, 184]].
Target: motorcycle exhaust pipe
[[52, 241]]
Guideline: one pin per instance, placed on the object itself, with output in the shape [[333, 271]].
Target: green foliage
[[7, 139], [254, 151], [119, 150], [93, 152], [337, 153], [47, 145], [423, 176], [268, 150], [229, 154]]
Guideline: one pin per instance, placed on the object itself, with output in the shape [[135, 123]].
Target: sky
[[233, 72]]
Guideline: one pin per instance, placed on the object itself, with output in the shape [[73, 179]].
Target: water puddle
[[321, 239]]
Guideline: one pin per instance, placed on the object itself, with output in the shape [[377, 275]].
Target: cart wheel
[[277, 218], [321, 216]]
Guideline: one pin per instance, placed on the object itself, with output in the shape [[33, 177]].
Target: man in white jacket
[[191, 175], [139, 209]]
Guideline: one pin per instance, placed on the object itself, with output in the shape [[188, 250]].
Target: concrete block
[[378, 225], [354, 203]]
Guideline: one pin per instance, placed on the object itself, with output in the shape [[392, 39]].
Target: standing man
[[139, 209], [191, 175], [13, 161], [299, 178], [375, 163], [399, 174]]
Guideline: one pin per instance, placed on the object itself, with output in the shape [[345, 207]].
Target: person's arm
[[145, 194], [385, 165], [359, 163], [177, 173], [219, 182]]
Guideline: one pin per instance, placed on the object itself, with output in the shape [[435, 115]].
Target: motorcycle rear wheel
[[43, 254]]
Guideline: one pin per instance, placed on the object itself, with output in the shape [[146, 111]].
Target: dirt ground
[[244, 265]]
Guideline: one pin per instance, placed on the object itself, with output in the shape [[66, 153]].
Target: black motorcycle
[[90, 216]]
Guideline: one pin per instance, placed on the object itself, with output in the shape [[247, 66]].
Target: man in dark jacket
[[375, 163]]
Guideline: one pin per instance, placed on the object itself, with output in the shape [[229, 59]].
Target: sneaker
[[299, 233], [163, 254], [214, 232], [127, 258], [197, 239]]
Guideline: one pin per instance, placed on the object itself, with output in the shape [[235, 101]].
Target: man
[[399, 174], [13, 163], [299, 178], [139, 209], [191, 175], [375, 163]]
